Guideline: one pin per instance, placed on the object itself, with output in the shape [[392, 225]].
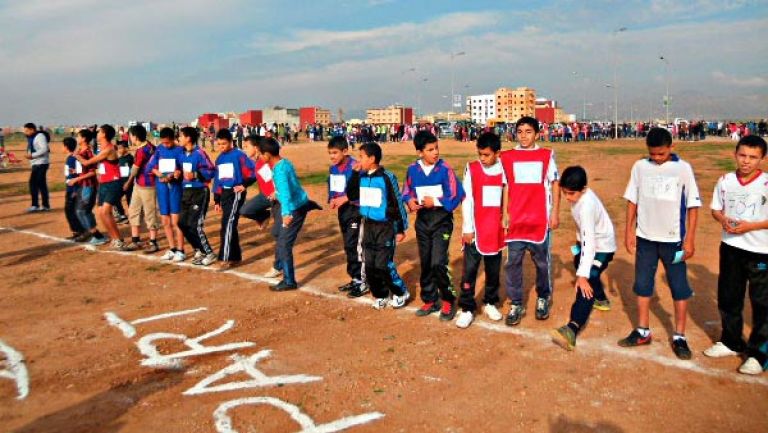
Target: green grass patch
[[725, 164], [22, 188]]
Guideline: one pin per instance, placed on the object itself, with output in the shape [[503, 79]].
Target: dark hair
[[30, 125], [139, 132], [528, 120], [752, 141], [574, 178], [373, 149], [270, 146], [422, 139], [70, 143], [254, 139], [108, 131], [167, 133], [489, 139], [190, 133], [86, 134], [658, 137], [123, 143], [338, 142], [224, 134]]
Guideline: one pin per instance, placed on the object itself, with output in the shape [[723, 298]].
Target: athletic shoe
[[604, 305], [273, 273], [542, 308], [720, 350], [98, 241], [379, 303], [347, 287], [169, 255], [44, 209], [198, 255], [133, 246], [209, 259], [635, 339], [83, 237], [751, 366], [465, 319], [121, 219], [428, 308], [400, 301], [564, 337], [282, 286], [118, 245], [492, 312], [515, 315], [73, 237], [358, 291], [151, 248], [680, 347], [179, 256], [447, 311], [32, 209]]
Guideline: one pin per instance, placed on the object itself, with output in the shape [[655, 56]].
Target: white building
[[481, 108]]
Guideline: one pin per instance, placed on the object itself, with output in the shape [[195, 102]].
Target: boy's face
[[748, 159], [366, 162], [250, 150], [572, 196], [487, 156], [167, 142], [29, 132], [430, 154], [81, 141], [133, 139], [65, 150], [337, 156], [101, 136], [526, 135], [223, 145], [121, 150], [660, 154], [185, 141], [266, 157]]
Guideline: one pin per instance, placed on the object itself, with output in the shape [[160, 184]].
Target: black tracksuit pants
[[231, 202], [70, 211], [433, 236], [194, 206], [472, 260], [378, 241], [349, 224]]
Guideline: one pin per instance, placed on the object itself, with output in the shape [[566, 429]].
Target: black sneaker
[[347, 287], [680, 347], [358, 290], [282, 286], [635, 339], [542, 308], [85, 237], [515, 315], [428, 308]]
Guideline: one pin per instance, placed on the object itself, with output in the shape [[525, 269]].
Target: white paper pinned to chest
[[370, 197], [338, 183]]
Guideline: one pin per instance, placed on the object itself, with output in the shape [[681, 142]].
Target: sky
[[94, 61]]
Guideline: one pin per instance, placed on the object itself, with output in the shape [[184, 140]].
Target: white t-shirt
[[662, 194], [744, 203], [468, 205], [595, 230], [552, 176]]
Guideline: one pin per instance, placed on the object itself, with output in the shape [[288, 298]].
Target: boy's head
[[189, 135], [750, 151], [370, 155], [338, 149], [167, 137], [137, 133], [269, 148], [69, 144], [488, 148], [224, 139], [573, 182], [84, 137], [251, 146], [527, 131], [426, 145], [30, 129], [106, 133], [122, 147], [659, 142]]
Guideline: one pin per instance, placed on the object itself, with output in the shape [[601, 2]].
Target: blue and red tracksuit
[[349, 215], [233, 168], [195, 197]]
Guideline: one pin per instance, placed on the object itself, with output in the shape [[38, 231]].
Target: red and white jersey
[[481, 208]]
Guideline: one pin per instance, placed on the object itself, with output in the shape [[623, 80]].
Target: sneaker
[[358, 291], [209, 259], [198, 255], [564, 337], [133, 246], [73, 237], [83, 237], [428, 308], [32, 209], [273, 273], [719, 350], [515, 315], [751, 366], [118, 245], [282, 286], [179, 256], [635, 339], [379, 303], [151, 248], [44, 209], [465, 319], [492, 312], [169, 255], [680, 347], [447, 311], [542, 308], [98, 241], [121, 219], [604, 305], [347, 287], [399, 301]]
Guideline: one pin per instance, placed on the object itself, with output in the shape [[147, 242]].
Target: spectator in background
[[37, 154]]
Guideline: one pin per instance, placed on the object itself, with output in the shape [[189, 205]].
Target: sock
[[678, 336], [644, 332], [135, 239], [574, 327]]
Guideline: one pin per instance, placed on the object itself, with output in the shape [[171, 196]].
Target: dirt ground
[[421, 374]]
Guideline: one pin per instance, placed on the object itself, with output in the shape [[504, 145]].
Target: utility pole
[[666, 97]]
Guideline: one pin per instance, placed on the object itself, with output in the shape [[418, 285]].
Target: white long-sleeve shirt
[[468, 205], [595, 230], [40, 154]]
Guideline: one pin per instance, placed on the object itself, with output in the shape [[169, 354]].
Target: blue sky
[[90, 61]]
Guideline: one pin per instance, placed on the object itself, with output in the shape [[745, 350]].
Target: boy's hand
[[238, 188], [217, 208], [630, 242], [429, 202], [688, 248], [467, 238], [287, 220], [400, 237], [505, 222], [413, 205], [272, 197], [189, 175], [554, 221], [71, 182], [738, 227], [582, 284], [177, 174], [127, 186]]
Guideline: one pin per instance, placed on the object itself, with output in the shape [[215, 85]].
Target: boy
[[234, 173], [740, 205], [661, 197], [70, 196], [383, 222], [531, 211], [340, 172], [166, 166], [432, 190], [591, 255], [110, 187], [144, 197], [294, 206], [198, 170], [125, 160], [85, 182], [38, 152], [482, 232]]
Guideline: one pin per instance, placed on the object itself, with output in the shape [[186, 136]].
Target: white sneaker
[[210, 258], [273, 273], [400, 301], [169, 255], [198, 255], [719, 350], [179, 256], [379, 303], [492, 312], [465, 319], [751, 366]]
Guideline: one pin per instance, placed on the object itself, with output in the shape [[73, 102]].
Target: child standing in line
[[432, 190], [144, 196], [85, 182], [740, 205], [482, 231], [70, 195], [125, 161], [662, 211], [166, 166], [591, 256]]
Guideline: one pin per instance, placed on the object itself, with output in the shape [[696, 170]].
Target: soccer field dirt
[[103, 354]]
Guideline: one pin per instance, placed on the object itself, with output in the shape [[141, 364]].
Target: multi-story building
[[309, 115], [394, 114], [280, 115], [481, 108], [512, 104]]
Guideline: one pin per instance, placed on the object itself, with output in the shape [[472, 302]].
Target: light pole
[[454, 55], [607, 113], [583, 96], [615, 84], [666, 97], [423, 83]]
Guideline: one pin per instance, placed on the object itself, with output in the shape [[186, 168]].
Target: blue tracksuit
[[168, 193]]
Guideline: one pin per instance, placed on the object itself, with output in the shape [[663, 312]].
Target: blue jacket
[[442, 174], [201, 164], [70, 165], [345, 170], [289, 193], [390, 208], [162, 152], [233, 168]]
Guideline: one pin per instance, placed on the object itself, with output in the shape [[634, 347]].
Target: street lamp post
[[454, 55], [583, 96], [615, 84], [666, 97]]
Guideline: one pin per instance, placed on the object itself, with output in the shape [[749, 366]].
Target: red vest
[[109, 171], [526, 172], [266, 187], [489, 235]]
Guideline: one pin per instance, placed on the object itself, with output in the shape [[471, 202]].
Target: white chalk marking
[[247, 365], [155, 359], [16, 370], [127, 327], [540, 337], [223, 422]]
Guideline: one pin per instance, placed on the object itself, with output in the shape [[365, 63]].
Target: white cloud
[[733, 80]]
